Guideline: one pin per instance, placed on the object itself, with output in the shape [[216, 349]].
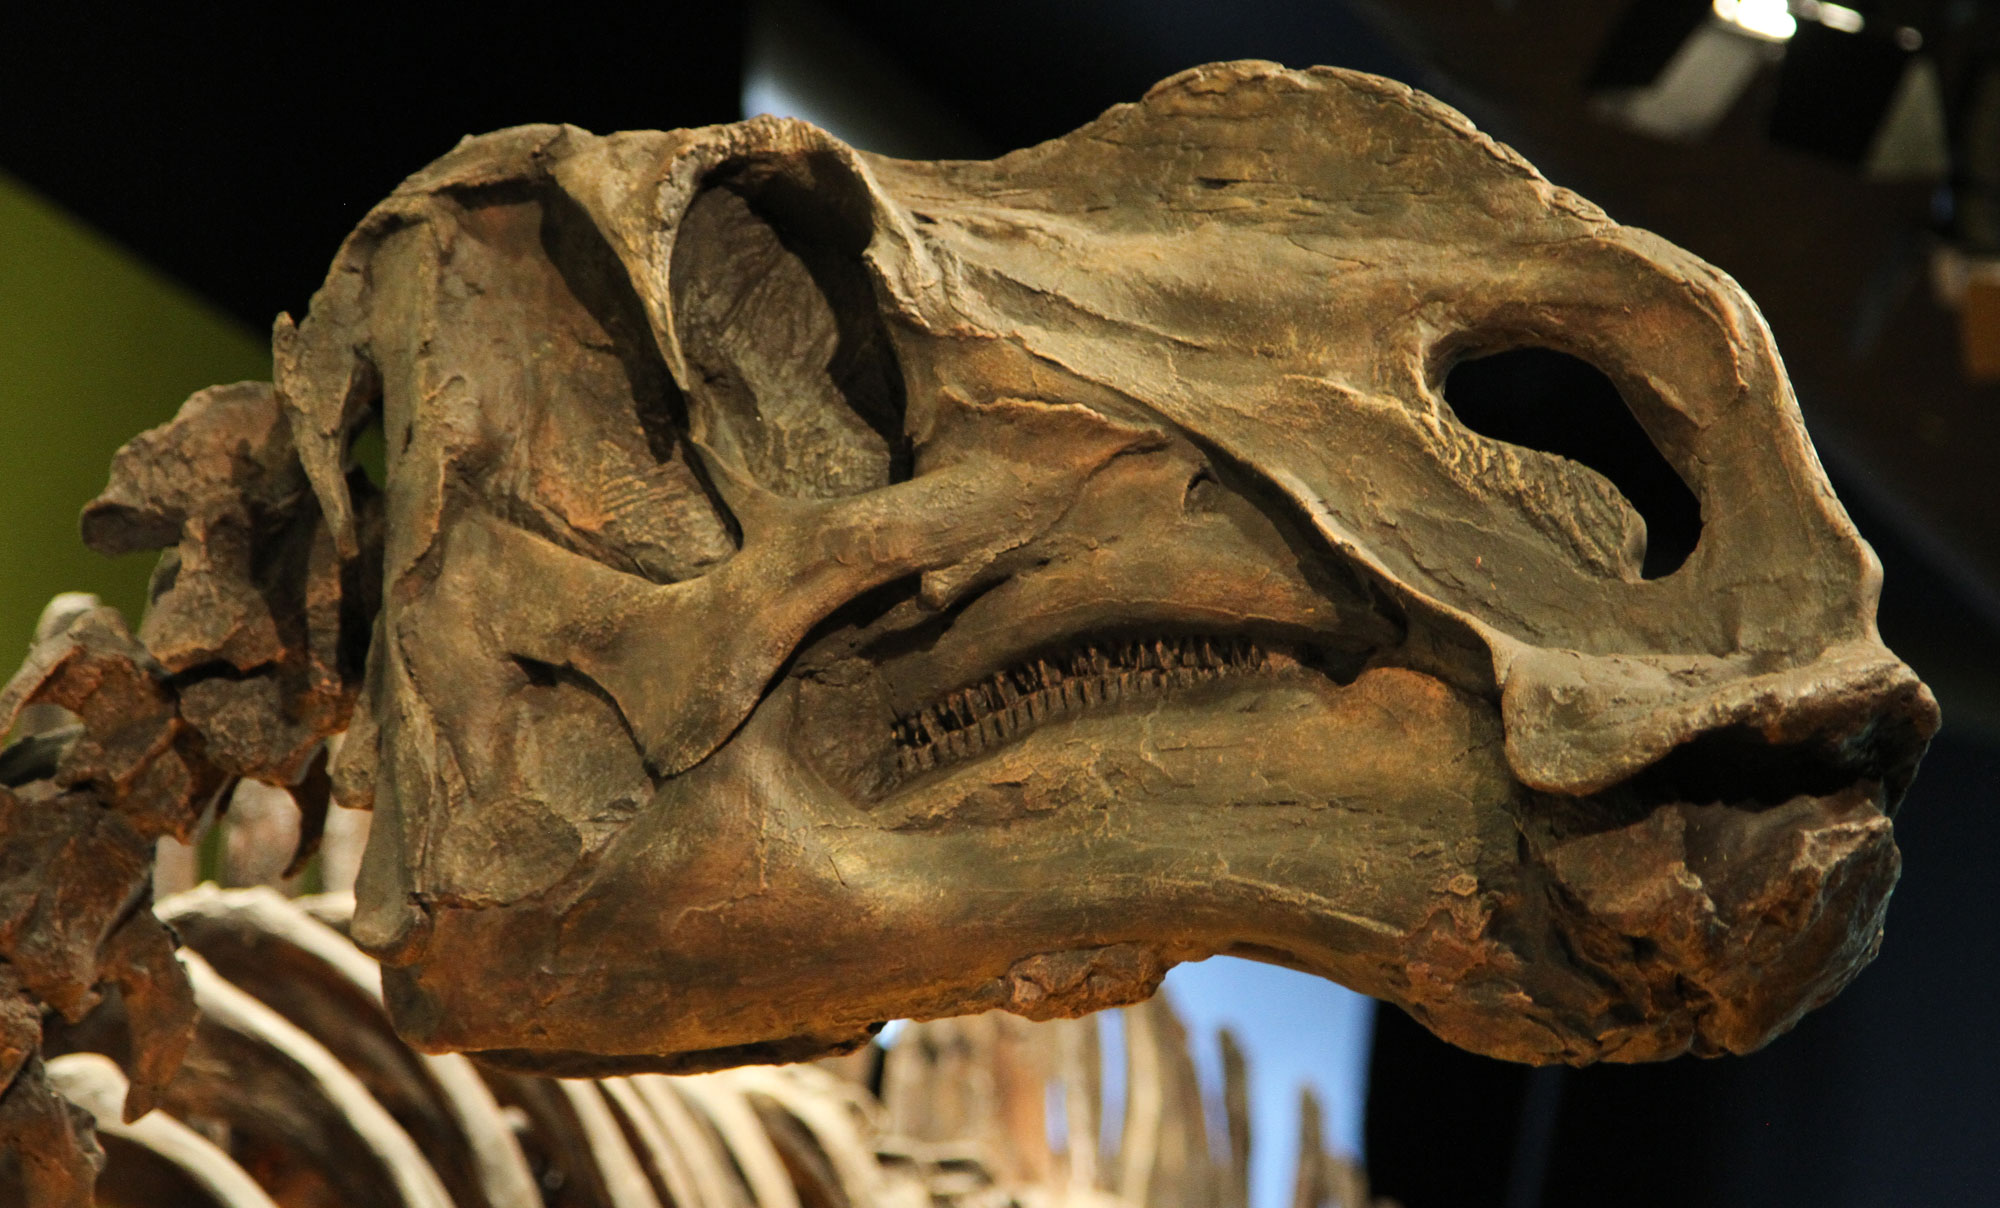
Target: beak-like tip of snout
[[1715, 927], [1580, 724], [1898, 737], [1708, 901]]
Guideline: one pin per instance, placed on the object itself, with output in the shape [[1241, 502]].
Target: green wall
[[95, 346]]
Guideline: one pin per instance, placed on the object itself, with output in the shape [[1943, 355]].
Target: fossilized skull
[[821, 588]]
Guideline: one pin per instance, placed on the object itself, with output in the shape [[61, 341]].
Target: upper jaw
[[1075, 623], [883, 731], [1580, 723]]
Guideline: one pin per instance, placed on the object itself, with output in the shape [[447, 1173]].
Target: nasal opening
[[1553, 402]]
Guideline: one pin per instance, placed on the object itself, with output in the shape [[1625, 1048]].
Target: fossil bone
[[810, 589], [869, 589], [960, 1120]]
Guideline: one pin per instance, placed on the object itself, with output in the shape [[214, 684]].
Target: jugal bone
[[811, 589]]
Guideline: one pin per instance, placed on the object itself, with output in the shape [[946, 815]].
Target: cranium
[[821, 589]]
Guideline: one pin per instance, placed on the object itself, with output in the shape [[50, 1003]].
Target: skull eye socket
[[1553, 402], [794, 377]]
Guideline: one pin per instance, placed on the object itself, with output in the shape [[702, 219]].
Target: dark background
[[233, 147]]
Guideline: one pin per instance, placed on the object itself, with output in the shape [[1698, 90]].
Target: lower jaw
[[1695, 928], [1704, 928], [750, 902], [1366, 832]]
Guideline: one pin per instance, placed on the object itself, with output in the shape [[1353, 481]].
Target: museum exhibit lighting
[[1673, 69], [1761, 18]]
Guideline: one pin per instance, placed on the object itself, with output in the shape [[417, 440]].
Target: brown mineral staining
[[811, 589], [242, 668]]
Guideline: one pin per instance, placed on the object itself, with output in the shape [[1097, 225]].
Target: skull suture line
[[820, 588]]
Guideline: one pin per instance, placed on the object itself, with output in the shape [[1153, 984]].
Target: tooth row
[[1002, 706]]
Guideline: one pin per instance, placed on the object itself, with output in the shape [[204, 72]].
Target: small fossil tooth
[[1011, 701]]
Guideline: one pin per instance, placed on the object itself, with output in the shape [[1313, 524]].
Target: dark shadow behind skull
[[821, 589]]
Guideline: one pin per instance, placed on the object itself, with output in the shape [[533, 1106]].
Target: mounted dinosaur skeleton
[[811, 589], [296, 1092]]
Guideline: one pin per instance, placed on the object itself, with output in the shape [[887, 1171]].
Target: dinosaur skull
[[822, 589]]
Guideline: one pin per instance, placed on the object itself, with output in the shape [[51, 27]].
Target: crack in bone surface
[[1010, 703]]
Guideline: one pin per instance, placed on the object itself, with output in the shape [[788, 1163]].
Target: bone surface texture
[[802, 589]]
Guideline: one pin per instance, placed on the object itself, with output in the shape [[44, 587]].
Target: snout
[[1713, 928], [1579, 724], [1710, 900]]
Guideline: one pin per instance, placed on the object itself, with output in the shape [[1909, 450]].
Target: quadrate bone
[[817, 589]]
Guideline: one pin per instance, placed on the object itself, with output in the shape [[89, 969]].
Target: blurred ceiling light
[[1673, 69], [1697, 88], [803, 61], [1834, 16], [1864, 100], [1771, 20], [1913, 141]]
